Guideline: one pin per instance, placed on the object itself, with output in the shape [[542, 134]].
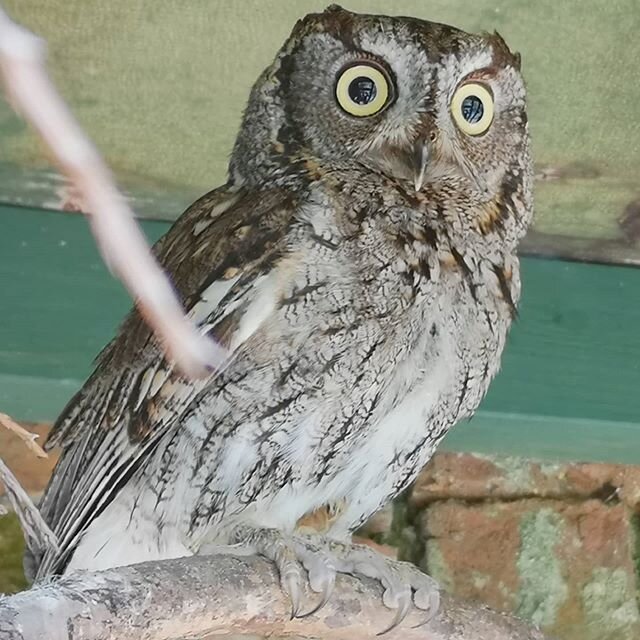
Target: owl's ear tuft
[[502, 55], [518, 60], [334, 19]]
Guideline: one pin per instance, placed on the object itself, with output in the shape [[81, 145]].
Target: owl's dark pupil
[[362, 90], [472, 109]]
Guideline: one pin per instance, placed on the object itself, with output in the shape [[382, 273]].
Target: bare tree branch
[[119, 238], [37, 534], [206, 596]]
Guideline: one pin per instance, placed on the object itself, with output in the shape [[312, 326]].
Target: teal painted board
[[60, 305], [546, 438], [575, 351], [569, 382], [35, 399]]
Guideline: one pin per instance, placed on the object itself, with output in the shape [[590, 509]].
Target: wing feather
[[218, 254]]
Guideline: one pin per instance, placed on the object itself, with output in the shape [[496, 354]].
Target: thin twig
[[37, 535], [119, 238], [27, 437]]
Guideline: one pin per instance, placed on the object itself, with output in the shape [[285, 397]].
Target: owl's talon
[[273, 544], [404, 604], [399, 579], [322, 575], [397, 593], [397, 619], [292, 588], [423, 623], [290, 577], [427, 598], [326, 594]]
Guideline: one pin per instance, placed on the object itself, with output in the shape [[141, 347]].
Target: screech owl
[[360, 264]]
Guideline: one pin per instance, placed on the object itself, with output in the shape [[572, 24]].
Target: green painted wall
[[160, 87]]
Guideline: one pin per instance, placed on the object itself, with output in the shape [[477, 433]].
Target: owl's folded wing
[[220, 255]]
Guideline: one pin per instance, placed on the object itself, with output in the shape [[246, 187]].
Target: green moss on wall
[[436, 566], [611, 609], [11, 549], [542, 586]]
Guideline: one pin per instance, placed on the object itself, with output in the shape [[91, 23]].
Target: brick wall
[[554, 543]]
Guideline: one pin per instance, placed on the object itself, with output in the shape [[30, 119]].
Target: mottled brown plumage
[[360, 265]]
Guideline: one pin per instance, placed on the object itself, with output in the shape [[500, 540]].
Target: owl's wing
[[217, 254]]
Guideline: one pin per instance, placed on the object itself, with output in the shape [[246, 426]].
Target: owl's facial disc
[[430, 150]]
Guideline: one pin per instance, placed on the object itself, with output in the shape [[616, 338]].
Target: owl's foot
[[322, 559], [403, 582]]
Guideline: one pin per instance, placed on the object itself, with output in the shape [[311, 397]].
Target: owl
[[360, 267]]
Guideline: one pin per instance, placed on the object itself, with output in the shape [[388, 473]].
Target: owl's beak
[[421, 153]]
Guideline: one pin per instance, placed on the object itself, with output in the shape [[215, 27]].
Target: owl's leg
[[322, 558]]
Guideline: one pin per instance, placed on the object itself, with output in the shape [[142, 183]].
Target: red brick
[[545, 559], [478, 546]]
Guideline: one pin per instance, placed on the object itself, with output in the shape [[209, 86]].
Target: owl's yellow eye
[[363, 90], [472, 108]]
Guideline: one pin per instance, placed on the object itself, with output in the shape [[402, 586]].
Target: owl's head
[[418, 101]]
